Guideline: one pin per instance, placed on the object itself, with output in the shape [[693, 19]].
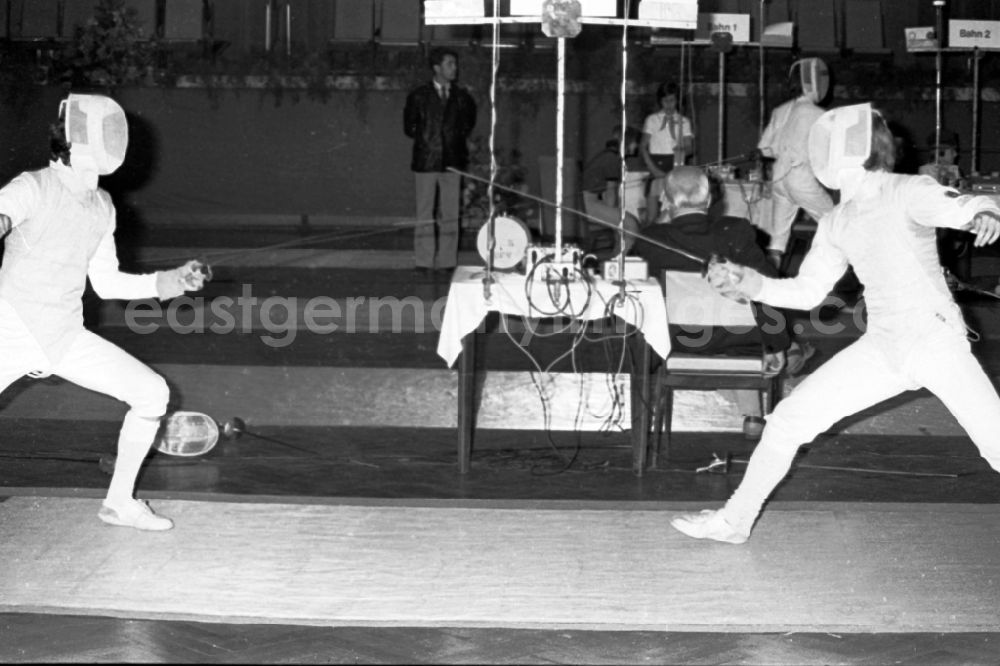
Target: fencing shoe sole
[[137, 515], [707, 524]]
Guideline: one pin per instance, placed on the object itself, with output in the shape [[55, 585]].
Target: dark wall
[[237, 155]]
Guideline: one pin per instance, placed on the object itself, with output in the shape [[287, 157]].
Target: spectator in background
[[601, 182], [667, 140], [439, 116], [943, 165]]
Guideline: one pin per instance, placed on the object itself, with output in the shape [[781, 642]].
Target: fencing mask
[[814, 77], [97, 133], [188, 434], [840, 142]]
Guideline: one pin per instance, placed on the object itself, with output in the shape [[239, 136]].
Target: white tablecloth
[[467, 306]]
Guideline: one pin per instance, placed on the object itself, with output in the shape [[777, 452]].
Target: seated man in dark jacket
[[686, 224]]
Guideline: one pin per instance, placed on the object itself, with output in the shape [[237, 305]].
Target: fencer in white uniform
[[884, 226], [59, 228], [785, 140]]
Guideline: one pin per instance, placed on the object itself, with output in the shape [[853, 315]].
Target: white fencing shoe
[[707, 524], [137, 514]]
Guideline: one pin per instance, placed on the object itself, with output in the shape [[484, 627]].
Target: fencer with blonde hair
[[59, 228], [885, 228]]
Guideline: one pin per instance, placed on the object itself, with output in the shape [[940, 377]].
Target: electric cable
[[591, 218]]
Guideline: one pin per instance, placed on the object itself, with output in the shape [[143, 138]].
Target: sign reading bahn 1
[[737, 25]]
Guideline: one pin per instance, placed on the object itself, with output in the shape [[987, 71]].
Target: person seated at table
[[686, 224], [601, 181]]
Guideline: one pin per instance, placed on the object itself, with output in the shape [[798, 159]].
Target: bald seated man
[[686, 224]]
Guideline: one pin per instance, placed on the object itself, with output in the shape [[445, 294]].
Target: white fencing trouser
[[864, 374], [445, 188], [797, 188], [94, 363]]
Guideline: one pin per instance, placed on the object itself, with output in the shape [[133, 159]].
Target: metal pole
[[975, 110], [760, 84], [939, 34], [722, 103], [560, 111]]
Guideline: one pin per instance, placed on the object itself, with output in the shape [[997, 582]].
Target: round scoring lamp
[[512, 239]]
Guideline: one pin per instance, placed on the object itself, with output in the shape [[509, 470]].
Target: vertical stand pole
[[939, 34], [762, 109], [267, 27], [560, 113], [975, 111], [288, 30], [722, 103]]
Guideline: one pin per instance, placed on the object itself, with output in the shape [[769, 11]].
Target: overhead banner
[[678, 14], [438, 12], [587, 7]]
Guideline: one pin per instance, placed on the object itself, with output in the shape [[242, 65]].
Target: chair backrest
[[691, 301]]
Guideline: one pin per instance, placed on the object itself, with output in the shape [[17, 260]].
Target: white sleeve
[[106, 277], [823, 265], [933, 205], [686, 127], [649, 125]]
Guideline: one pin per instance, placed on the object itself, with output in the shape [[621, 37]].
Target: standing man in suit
[[439, 116]]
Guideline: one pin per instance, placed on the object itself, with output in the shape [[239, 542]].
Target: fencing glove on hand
[[736, 282], [175, 282], [985, 226]]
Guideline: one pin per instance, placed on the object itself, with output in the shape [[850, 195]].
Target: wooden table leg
[[641, 386], [466, 400]]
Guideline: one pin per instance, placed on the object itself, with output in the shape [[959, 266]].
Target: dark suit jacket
[[730, 238], [439, 130]]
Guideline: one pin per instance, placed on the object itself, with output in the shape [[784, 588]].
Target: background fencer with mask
[[785, 140], [59, 228], [885, 227]]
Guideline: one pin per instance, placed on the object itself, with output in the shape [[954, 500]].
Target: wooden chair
[[694, 305]]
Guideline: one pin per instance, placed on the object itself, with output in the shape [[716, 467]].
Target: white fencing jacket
[[61, 234], [786, 137], [887, 233]]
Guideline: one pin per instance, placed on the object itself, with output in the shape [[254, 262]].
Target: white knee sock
[[136, 436]]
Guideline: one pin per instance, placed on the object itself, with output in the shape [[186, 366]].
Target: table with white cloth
[[467, 306]]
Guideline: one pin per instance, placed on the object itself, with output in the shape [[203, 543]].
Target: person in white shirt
[[59, 227], [884, 226], [784, 139], [667, 140]]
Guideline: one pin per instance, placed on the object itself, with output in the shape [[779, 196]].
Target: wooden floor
[[63, 456]]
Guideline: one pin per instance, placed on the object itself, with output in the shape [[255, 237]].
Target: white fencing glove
[[736, 282], [189, 277]]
